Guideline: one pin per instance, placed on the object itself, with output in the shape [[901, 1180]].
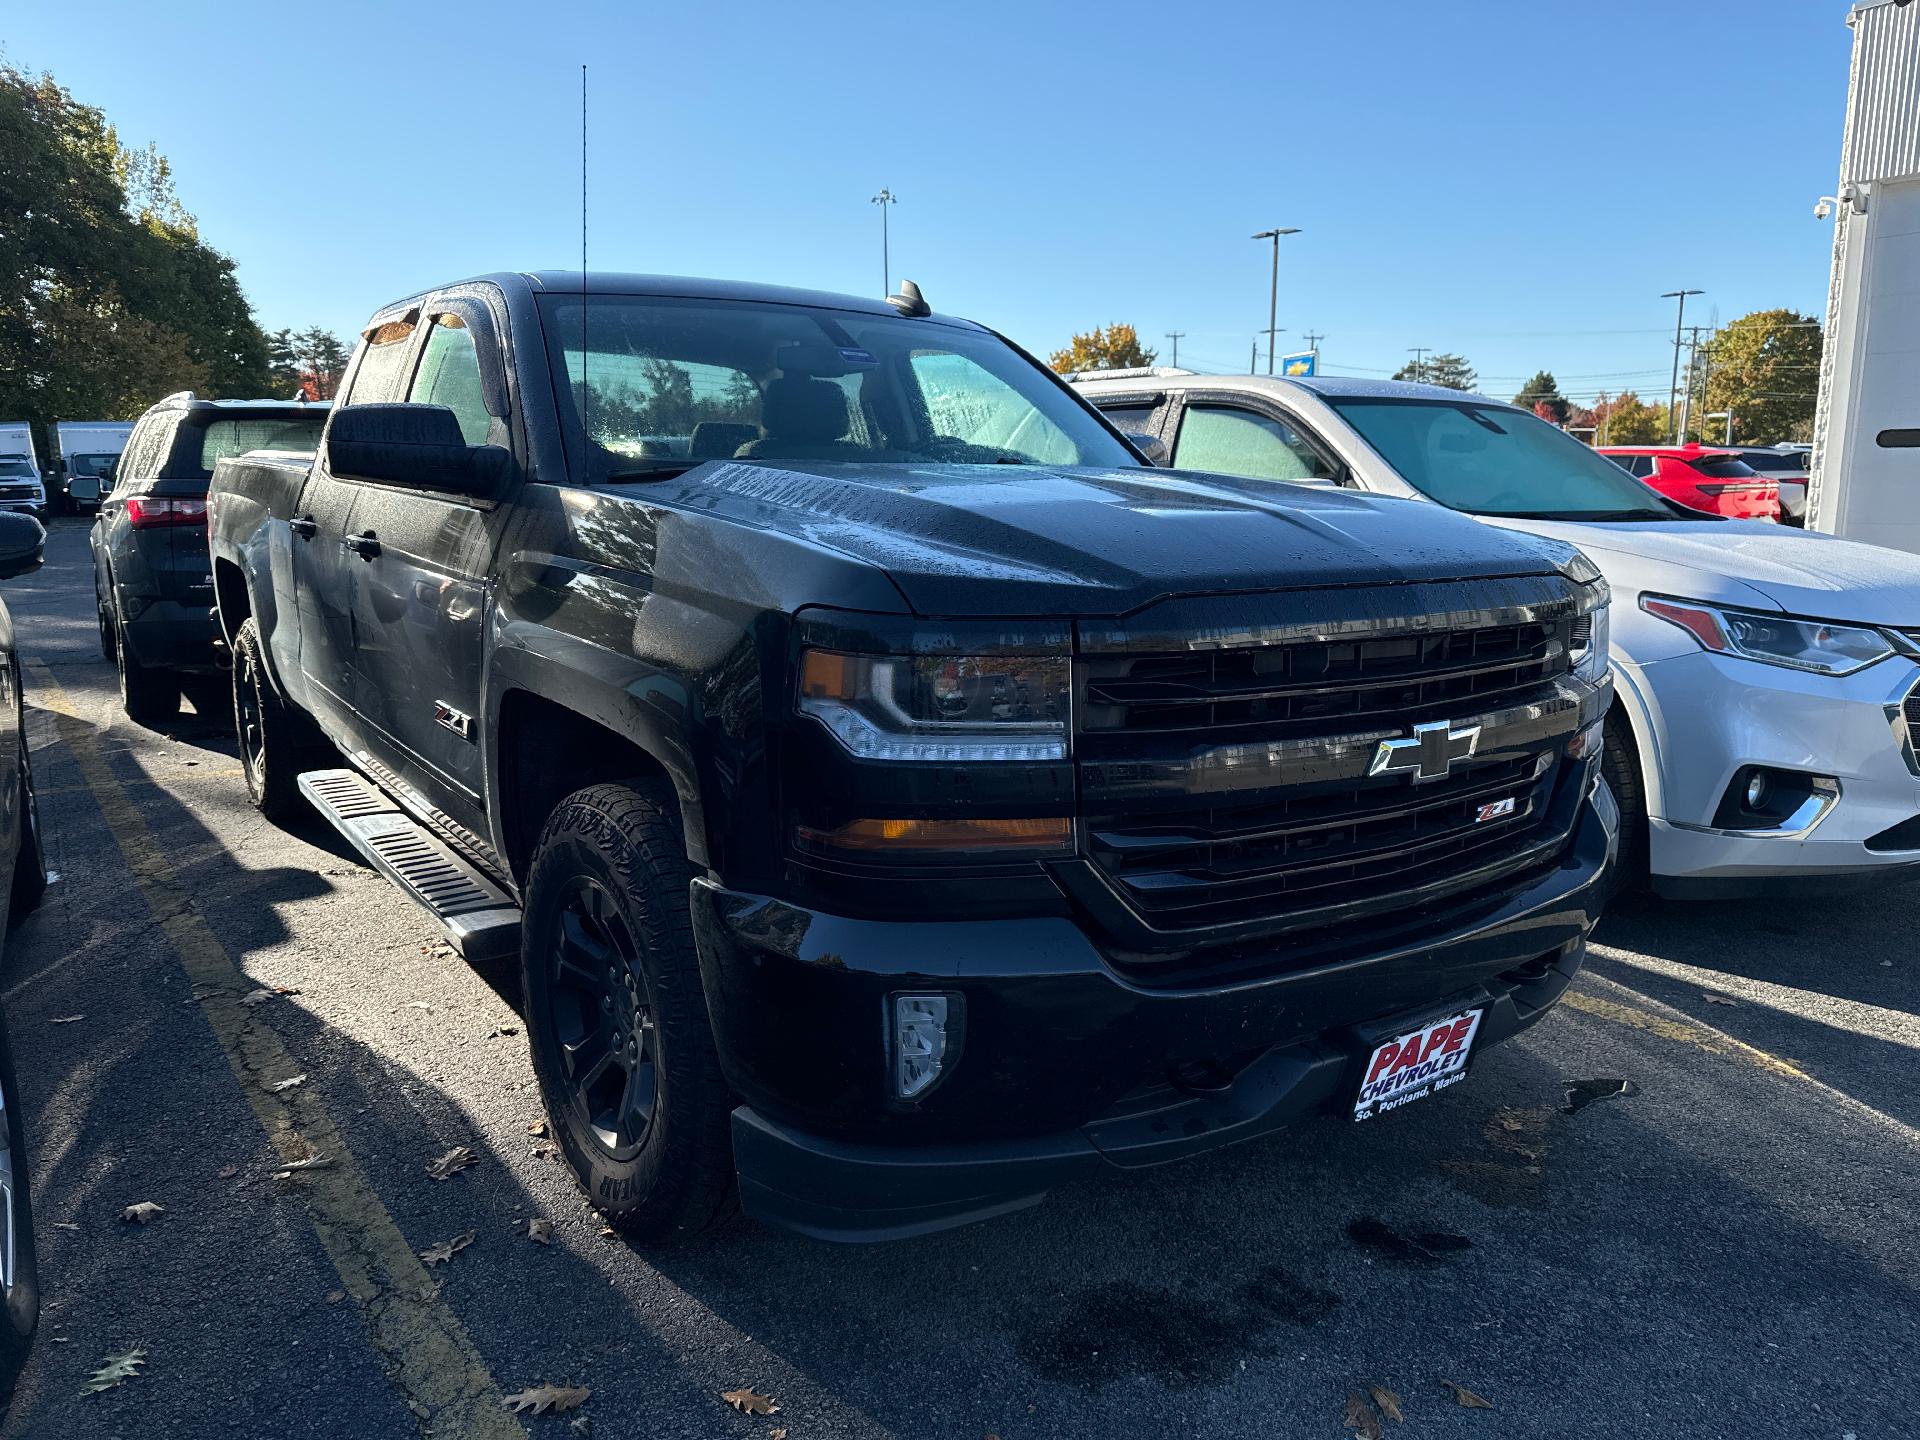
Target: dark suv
[[151, 579]]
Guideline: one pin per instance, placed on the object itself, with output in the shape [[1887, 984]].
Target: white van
[[84, 452], [21, 487]]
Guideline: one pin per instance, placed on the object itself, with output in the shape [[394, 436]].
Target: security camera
[[1823, 208]]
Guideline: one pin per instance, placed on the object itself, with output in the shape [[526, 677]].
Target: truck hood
[[1005, 540], [1747, 562]]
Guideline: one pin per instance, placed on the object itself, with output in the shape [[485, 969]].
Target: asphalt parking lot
[[1728, 1248]]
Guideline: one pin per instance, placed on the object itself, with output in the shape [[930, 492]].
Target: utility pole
[[1419, 353], [1693, 366], [1273, 294], [1673, 385], [1253, 364], [1313, 344], [885, 200], [1174, 335]]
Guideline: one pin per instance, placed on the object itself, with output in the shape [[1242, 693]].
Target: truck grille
[[1229, 787], [18, 492]]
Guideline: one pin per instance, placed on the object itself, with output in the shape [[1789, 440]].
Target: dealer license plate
[[1417, 1064]]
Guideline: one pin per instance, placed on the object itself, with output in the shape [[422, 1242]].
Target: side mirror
[[1151, 446], [23, 544], [419, 446]]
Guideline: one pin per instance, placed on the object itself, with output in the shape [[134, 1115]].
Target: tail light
[[1758, 487], [148, 513]]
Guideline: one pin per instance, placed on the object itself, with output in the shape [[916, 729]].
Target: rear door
[[421, 590], [324, 570]]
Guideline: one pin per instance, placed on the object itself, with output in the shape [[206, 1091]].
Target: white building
[[1866, 458]]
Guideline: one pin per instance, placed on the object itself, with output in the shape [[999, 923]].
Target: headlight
[[1820, 646], [941, 708], [1591, 634]]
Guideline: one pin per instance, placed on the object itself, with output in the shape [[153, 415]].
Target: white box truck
[[21, 485], [84, 452], [1866, 458]]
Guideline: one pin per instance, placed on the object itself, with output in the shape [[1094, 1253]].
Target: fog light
[[1757, 789], [919, 1043]]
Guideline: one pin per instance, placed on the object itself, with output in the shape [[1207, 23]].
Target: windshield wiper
[[662, 469], [1598, 516]]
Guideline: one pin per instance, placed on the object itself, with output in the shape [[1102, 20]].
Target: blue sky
[[1516, 182]]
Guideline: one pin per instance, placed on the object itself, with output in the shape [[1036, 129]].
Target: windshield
[[221, 439], [94, 465], [667, 382], [11, 465], [1492, 460], [1775, 463]]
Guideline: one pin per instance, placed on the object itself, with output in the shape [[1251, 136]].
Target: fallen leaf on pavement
[[545, 1150], [67, 1019], [1464, 1397], [1424, 1248], [280, 1087], [443, 1252], [1388, 1402], [608, 1232], [419, 1005], [227, 1172], [749, 1402], [781, 1434], [116, 1370], [583, 1425], [65, 1225], [334, 1297], [256, 997], [1359, 1417], [540, 1231], [285, 990], [503, 1030], [142, 1212], [544, 1398], [312, 1162], [538, 1128], [1718, 999], [1582, 1093], [454, 1161]]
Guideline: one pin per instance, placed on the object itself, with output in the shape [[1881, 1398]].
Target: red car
[[1701, 477]]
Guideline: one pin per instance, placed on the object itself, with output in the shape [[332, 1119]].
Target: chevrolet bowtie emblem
[[1427, 754]]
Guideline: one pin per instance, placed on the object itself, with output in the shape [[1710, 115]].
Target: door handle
[[364, 544], [305, 527]]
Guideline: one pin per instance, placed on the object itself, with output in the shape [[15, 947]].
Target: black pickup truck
[[900, 799]]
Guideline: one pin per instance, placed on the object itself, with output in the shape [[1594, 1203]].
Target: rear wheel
[[109, 638], [277, 741], [30, 860], [1620, 767], [150, 697], [622, 1045]]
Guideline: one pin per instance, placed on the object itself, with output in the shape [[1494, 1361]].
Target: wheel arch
[[1633, 702]]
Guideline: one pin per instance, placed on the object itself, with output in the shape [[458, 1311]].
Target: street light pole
[[1673, 386], [1273, 294], [884, 199]]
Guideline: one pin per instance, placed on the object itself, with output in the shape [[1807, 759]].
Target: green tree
[[108, 297], [1765, 367], [1628, 421], [1114, 347], [1542, 395], [1445, 368]]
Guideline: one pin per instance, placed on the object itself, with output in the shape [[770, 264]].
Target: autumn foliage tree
[[1113, 347], [1626, 420], [1542, 395], [1444, 368]]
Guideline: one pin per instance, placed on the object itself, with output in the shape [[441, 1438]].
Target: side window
[[1128, 415], [1643, 465], [156, 439], [380, 374], [1232, 441], [449, 375], [967, 405]]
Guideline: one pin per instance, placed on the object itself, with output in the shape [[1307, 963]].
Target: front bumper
[[1713, 715], [1066, 1066]]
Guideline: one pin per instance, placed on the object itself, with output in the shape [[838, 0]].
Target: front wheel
[[277, 741], [622, 1045], [1620, 767], [19, 1268]]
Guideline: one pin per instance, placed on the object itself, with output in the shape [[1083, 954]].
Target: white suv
[[1767, 679]]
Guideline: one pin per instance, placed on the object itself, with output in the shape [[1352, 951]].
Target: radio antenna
[[586, 391]]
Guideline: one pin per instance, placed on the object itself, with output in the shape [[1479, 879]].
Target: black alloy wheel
[[603, 1020]]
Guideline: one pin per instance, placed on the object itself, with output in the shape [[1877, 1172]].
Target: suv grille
[[1230, 787], [1911, 709]]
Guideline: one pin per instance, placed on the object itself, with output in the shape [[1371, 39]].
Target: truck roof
[[1333, 386], [614, 282]]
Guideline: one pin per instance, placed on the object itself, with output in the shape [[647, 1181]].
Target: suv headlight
[[940, 707], [1820, 646], [1590, 637]]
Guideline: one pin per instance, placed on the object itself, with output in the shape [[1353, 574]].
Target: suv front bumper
[[1065, 1065]]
